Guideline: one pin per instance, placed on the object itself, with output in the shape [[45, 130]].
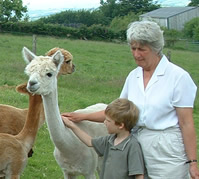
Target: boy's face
[[112, 128]]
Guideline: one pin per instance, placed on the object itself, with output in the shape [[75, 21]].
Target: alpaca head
[[42, 71], [67, 66]]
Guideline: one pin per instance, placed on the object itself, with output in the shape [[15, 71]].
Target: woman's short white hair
[[146, 33]]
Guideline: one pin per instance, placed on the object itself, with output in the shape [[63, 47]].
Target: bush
[[120, 23], [171, 36], [196, 33], [94, 32], [189, 28]]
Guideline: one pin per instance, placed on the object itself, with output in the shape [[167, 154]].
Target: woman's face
[[144, 56]]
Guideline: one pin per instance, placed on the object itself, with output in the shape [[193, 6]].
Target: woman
[[164, 94]]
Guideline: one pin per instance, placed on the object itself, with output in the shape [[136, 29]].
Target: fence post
[[169, 55], [34, 44]]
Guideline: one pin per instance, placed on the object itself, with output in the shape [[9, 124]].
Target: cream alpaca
[[14, 149], [12, 119], [71, 154]]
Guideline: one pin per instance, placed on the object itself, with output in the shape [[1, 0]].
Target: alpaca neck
[[42, 116], [54, 121], [28, 133]]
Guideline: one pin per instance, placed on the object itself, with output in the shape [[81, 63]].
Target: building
[[172, 17]]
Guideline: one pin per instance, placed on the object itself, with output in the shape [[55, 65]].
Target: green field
[[101, 69]]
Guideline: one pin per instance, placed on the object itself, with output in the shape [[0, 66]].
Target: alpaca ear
[[58, 59], [22, 88], [27, 55]]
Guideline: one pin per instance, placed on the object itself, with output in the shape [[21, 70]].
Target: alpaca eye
[[49, 74], [68, 61]]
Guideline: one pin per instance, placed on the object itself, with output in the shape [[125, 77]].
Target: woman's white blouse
[[169, 87]]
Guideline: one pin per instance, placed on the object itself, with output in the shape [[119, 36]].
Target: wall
[[177, 21]]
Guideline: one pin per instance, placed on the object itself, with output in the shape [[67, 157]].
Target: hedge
[[94, 32]]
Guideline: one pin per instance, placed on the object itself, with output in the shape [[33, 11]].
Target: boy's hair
[[123, 111]]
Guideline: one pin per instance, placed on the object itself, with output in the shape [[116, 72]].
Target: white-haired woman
[[164, 94]]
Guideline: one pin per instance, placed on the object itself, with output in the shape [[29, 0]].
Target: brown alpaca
[[67, 66], [12, 119], [14, 148]]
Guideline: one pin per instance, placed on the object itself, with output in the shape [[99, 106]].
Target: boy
[[122, 154]]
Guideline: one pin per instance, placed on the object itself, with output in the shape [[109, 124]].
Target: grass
[[101, 69]]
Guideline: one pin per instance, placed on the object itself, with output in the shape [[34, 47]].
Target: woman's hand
[[194, 171], [98, 116], [186, 122], [73, 116]]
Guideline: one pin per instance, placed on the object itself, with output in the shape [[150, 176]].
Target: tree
[[196, 33], [76, 18], [194, 3], [121, 23], [109, 8], [11, 10], [137, 6], [114, 8], [190, 26]]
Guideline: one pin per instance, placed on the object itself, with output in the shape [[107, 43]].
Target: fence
[[185, 44]]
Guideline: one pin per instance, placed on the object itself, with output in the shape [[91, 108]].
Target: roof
[[167, 12]]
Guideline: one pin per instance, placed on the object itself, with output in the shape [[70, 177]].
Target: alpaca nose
[[32, 83]]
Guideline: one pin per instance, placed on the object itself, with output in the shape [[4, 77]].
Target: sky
[[60, 4], [78, 4], [40, 8]]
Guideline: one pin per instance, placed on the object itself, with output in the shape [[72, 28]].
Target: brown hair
[[123, 111]]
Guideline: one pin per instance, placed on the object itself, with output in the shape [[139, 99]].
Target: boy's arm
[[83, 136]]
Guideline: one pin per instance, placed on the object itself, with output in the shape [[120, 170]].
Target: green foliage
[[99, 32], [95, 32], [11, 10], [109, 8], [171, 36], [76, 18], [137, 6], [196, 33], [189, 28], [39, 28], [115, 8], [103, 15], [121, 23], [194, 3]]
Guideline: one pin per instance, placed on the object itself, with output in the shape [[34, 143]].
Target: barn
[[172, 17]]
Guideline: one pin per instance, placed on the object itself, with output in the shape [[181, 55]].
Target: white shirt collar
[[160, 69]]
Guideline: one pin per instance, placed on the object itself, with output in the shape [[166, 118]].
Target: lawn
[[101, 69]]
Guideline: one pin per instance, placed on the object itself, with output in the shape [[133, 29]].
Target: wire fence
[[185, 44]]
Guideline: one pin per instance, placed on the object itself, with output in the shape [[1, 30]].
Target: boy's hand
[[67, 122], [83, 136]]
